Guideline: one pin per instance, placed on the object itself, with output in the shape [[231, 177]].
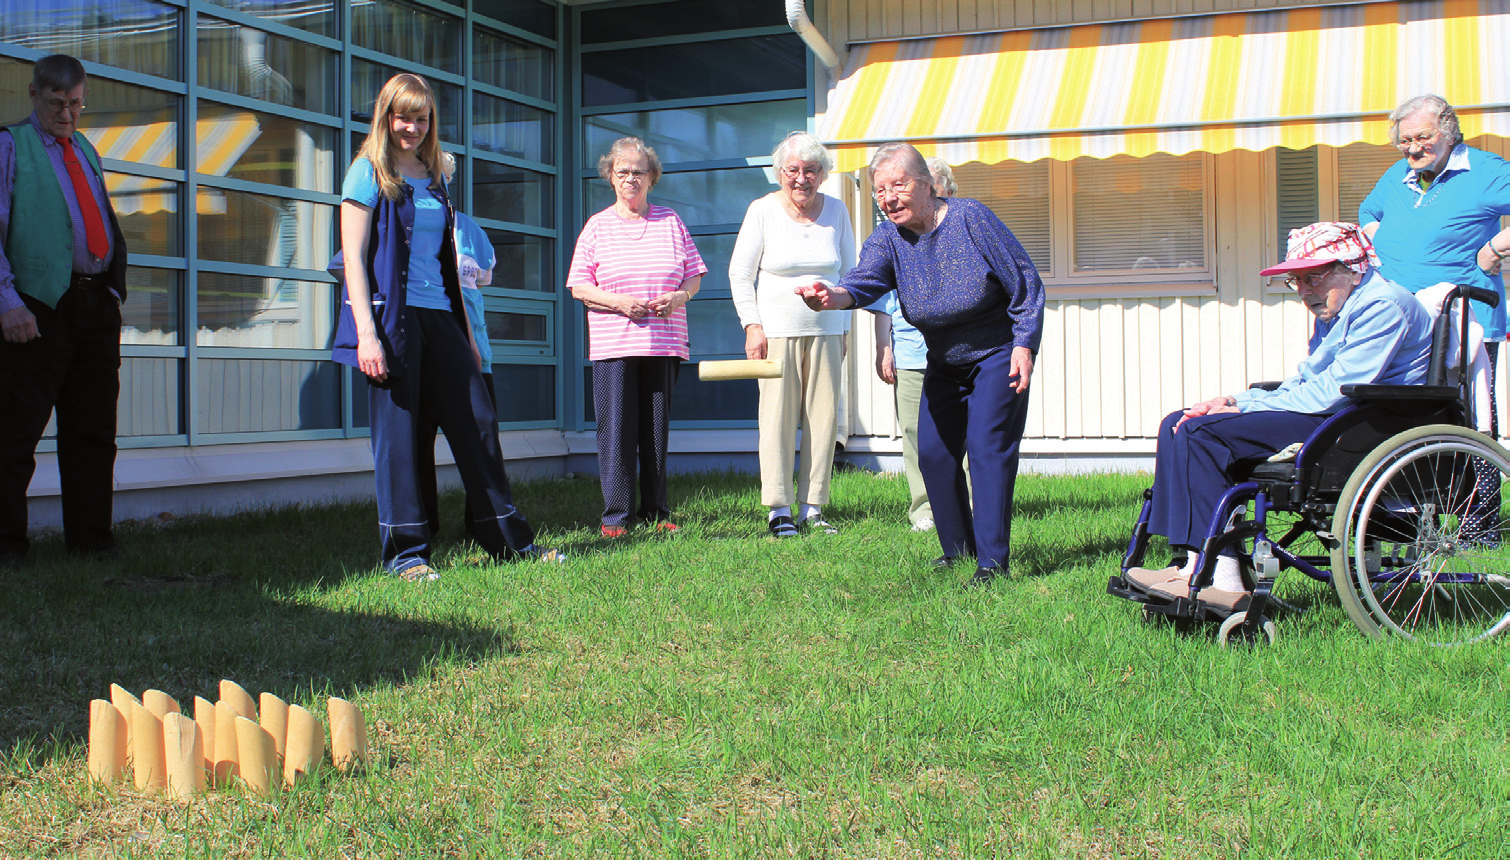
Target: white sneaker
[[923, 525]]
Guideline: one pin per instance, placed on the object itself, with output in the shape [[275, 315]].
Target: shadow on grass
[[188, 604]]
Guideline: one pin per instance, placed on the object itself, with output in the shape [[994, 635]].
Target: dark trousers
[[73, 367], [972, 410], [427, 486], [1194, 465], [632, 399], [438, 384]]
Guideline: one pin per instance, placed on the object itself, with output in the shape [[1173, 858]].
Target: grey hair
[[905, 156], [1446, 117], [629, 146], [801, 146], [943, 177], [58, 73]]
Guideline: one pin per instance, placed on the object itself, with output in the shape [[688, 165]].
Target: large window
[[723, 83], [1118, 224], [225, 174]]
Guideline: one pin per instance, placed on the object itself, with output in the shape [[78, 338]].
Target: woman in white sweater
[[790, 237]]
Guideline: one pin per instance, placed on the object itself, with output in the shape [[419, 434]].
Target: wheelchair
[[1394, 500]]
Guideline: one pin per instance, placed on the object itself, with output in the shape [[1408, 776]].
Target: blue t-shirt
[[474, 262], [907, 347], [1434, 236], [425, 287]]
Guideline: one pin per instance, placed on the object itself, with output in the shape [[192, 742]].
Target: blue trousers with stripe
[[439, 383]]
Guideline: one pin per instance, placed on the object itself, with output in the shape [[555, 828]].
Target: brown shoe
[[1162, 580], [418, 573]]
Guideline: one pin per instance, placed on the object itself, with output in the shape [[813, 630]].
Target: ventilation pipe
[[797, 19]]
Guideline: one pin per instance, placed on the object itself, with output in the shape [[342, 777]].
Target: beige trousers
[[808, 389]]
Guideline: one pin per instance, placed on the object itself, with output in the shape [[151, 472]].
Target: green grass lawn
[[717, 694]]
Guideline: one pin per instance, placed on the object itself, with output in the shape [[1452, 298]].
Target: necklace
[[624, 229]]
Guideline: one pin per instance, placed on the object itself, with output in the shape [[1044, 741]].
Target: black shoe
[[782, 527], [944, 561], [984, 576]]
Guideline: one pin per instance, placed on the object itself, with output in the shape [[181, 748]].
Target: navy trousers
[[74, 367], [1194, 466], [632, 399], [438, 383], [429, 491], [972, 410]]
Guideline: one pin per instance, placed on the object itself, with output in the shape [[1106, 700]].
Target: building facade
[[227, 125]]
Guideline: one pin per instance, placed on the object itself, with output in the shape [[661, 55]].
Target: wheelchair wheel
[[1232, 630], [1424, 550]]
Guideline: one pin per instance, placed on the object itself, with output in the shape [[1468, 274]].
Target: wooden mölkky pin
[[348, 735], [274, 718], [306, 745], [183, 748], [148, 764], [739, 368], [204, 718], [159, 703], [123, 699], [107, 742], [259, 759]]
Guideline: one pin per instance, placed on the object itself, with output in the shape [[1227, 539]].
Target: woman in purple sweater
[[965, 282]]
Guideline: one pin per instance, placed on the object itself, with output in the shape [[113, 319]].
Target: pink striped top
[[643, 259]]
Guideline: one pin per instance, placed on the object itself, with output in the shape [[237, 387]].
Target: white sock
[[1227, 576], [783, 511], [810, 511]]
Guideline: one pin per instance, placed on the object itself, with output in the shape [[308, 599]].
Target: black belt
[[79, 279]]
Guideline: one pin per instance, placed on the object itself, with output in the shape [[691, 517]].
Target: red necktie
[[94, 226]]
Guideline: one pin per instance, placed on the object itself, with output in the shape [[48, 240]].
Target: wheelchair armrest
[[1265, 386], [1401, 392]]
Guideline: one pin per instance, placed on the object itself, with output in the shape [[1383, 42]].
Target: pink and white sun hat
[[1327, 242]]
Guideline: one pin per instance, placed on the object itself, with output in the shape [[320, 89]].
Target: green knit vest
[[39, 245]]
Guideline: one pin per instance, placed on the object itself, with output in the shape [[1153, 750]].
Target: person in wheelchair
[[1367, 330]]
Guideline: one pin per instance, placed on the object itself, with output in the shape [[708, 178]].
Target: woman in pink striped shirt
[[635, 268]]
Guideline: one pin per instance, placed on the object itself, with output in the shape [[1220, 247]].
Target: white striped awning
[[1254, 80]]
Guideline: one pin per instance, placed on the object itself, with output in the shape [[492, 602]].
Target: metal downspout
[[802, 25]]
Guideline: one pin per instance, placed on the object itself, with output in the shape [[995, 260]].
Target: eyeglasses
[[899, 188], [59, 105], [630, 174], [1310, 282], [1423, 139], [793, 171]]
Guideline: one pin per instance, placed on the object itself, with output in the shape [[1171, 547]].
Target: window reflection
[[511, 64], [698, 133], [267, 395], [526, 392], [505, 193], [512, 325], [150, 315], [719, 68], [148, 211], [149, 400], [263, 147], [245, 311], [700, 196], [249, 62], [523, 262], [368, 78], [262, 230], [531, 15], [508, 128], [311, 16], [410, 32], [128, 34]]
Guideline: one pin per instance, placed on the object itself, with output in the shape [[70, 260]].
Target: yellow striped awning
[[1254, 80], [219, 141]]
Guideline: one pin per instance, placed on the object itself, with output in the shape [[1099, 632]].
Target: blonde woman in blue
[[404, 325]]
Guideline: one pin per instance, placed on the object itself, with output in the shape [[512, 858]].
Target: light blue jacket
[[1382, 335], [474, 263]]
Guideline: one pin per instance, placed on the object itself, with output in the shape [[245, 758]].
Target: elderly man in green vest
[[62, 279]]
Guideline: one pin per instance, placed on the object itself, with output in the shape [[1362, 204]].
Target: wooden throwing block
[[259, 760], [743, 368], [160, 703], [306, 745], [239, 699], [183, 748], [275, 720], [227, 760], [107, 742], [348, 735], [204, 718], [148, 763], [123, 699]]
